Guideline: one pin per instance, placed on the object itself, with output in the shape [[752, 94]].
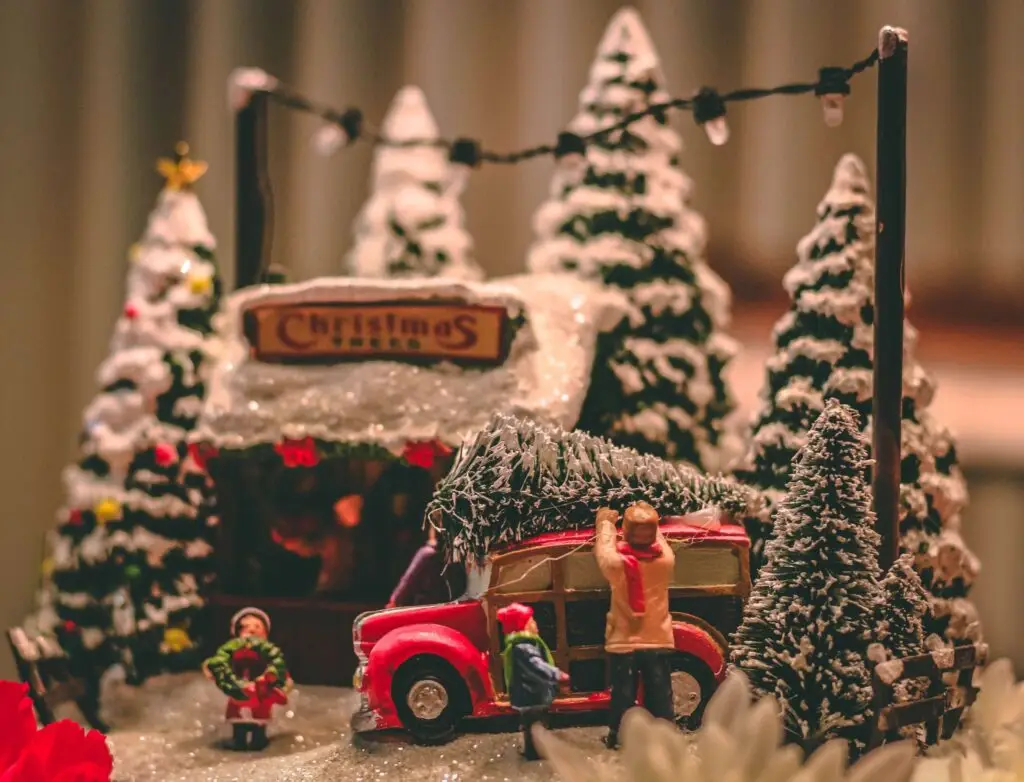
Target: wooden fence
[[950, 690]]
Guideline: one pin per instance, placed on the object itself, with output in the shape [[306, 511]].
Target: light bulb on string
[[709, 113], [340, 131], [570, 156], [464, 156], [832, 87]]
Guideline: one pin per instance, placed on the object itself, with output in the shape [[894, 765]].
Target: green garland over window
[[224, 676]]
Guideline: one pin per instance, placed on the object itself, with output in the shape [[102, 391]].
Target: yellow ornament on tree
[[135, 252], [176, 640], [200, 284], [181, 172], [47, 567], [107, 510]]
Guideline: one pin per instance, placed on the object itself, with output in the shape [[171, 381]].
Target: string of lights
[[707, 105]]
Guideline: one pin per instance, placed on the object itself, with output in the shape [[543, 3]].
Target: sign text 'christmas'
[[401, 331]]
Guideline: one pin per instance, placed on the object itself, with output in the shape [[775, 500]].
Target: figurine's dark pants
[[249, 736], [652, 667], [527, 719]]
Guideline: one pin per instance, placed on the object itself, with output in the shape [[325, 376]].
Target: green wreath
[[224, 676]]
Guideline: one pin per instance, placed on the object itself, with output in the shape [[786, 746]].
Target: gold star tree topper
[[181, 172]]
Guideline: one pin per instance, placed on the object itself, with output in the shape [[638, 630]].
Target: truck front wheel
[[430, 698]]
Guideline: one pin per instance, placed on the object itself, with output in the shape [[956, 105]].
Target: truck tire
[[693, 684], [430, 698]]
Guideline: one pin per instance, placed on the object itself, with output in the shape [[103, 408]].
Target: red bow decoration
[[424, 452], [201, 454], [61, 752], [298, 453]]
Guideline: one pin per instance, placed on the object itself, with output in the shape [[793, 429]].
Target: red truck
[[426, 668]]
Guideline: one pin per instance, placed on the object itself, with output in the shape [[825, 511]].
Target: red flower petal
[[64, 751], [17, 721]]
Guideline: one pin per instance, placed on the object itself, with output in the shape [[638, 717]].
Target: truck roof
[[672, 527]]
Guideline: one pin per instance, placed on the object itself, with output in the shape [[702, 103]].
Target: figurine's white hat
[[250, 611]]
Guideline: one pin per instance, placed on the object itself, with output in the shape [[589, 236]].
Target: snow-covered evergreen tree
[[413, 224], [902, 610], [824, 346], [806, 630], [128, 535], [658, 383], [517, 478]]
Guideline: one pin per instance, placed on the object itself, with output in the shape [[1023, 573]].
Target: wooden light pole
[[250, 189], [890, 239]]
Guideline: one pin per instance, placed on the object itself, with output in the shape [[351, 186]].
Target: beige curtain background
[[92, 91]]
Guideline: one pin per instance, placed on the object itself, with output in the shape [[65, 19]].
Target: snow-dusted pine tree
[[517, 478], [824, 347], [805, 632], [902, 610], [129, 547], [658, 383], [413, 224]]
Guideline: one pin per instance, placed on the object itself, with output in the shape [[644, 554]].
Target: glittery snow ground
[[171, 729]]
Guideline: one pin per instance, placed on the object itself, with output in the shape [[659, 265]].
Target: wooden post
[[250, 188], [890, 236]]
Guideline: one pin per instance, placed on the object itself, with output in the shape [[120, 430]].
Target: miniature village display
[[290, 451]]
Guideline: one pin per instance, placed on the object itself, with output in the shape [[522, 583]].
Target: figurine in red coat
[[252, 672]]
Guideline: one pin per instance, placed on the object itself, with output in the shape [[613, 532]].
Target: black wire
[[293, 100]]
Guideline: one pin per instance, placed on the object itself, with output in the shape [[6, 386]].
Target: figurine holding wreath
[[252, 672]]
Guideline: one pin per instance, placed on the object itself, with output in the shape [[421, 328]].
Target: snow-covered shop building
[[334, 408]]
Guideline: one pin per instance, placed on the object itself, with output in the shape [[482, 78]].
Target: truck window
[[705, 565], [581, 572], [526, 574]]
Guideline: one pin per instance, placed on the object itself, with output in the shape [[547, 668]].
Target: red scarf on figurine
[[631, 559]]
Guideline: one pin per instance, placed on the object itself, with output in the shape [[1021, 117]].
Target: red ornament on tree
[[165, 454], [298, 453], [69, 626], [131, 311], [75, 517], [424, 453]]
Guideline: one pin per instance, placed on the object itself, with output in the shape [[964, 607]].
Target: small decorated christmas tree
[[658, 383], [806, 630], [130, 544], [517, 478], [902, 610], [824, 346], [413, 224]]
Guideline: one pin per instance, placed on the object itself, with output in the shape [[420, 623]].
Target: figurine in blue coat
[[530, 671]]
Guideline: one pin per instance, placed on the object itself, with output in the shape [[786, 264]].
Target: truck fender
[[402, 644], [697, 641]]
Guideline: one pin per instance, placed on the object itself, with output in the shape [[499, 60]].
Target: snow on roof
[[388, 402]]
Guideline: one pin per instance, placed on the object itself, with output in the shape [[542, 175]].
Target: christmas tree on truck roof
[[518, 478]]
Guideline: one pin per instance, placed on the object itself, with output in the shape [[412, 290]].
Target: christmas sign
[[404, 331]]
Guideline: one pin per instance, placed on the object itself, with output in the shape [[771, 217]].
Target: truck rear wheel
[[693, 684], [430, 698]]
